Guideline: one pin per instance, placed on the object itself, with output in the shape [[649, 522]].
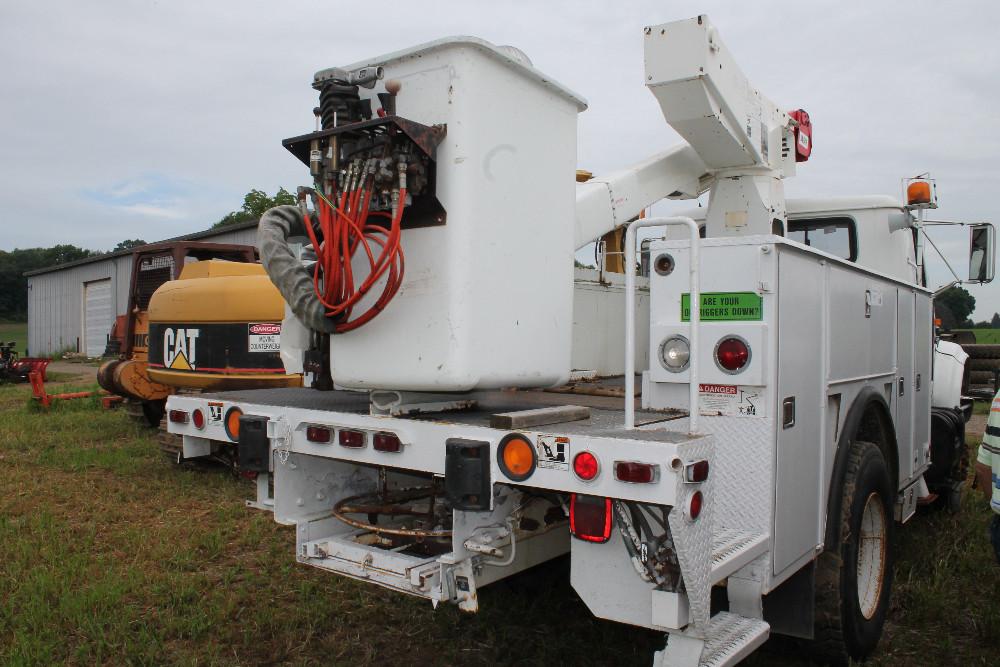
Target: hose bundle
[[347, 227]]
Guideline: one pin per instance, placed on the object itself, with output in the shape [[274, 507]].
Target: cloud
[[142, 118]]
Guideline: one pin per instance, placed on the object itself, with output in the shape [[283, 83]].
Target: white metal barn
[[72, 306]]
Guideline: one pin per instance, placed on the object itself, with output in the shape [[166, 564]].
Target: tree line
[[14, 263]]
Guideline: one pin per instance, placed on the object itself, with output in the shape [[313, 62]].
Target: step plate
[[733, 549], [731, 638]]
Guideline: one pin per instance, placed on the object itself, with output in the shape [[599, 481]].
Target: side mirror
[[982, 248]]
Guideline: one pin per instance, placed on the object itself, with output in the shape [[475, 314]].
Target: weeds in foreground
[[110, 554]]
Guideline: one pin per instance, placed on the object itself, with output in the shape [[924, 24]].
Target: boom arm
[[731, 130], [606, 203]]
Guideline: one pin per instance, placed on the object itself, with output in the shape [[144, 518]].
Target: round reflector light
[[675, 353], [516, 456], [732, 354], [586, 466], [198, 418], [233, 423]]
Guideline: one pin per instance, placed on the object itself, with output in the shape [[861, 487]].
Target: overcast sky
[[152, 119]]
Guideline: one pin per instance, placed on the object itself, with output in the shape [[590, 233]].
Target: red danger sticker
[[265, 329], [717, 389]]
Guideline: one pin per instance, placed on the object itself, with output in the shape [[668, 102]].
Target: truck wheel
[[853, 581]]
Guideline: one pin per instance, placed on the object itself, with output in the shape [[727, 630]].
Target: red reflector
[[198, 419], [732, 354], [696, 472], [635, 472], [695, 505], [387, 442], [586, 466], [351, 439], [319, 434], [178, 417], [590, 518]]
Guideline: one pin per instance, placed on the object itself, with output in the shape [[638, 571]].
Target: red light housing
[[387, 442], [198, 419], [354, 439], [732, 354], [695, 505], [696, 472], [634, 472], [590, 518], [586, 466], [178, 416], [320, 434]]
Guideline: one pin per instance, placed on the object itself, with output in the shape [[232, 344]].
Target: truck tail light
[[320, 434], [696, 472], [353, 439], [586, 466], [198, 419], [732, 354], [387, 442], [634, 472], [695, 505], [178, 416], [590, 518], [233, 423], [516, 457]]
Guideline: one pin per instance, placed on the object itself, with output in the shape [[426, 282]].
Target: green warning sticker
[[725, 306]]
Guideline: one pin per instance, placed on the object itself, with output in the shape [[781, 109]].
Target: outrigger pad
[[467, 474]]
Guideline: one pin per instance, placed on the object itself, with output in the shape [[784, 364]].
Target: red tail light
[[387, 442], [198, 419], [732, 354], [635, 472], [590, 518], [320, 434], [355, 439], [696, 472], [586, 466], [178, 416], [695, 505]]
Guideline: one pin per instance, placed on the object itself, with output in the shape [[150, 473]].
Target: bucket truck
[[790, 413]]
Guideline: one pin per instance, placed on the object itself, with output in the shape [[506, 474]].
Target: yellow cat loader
[[201, 316]]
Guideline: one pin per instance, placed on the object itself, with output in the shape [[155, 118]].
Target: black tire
[[153, 411], [983, 364], [843, 631], [982, 351], [981, 377]]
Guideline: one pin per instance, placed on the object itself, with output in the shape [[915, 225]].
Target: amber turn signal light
[[516, 457]]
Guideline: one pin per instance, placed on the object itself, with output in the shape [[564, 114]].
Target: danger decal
[[180, 348], [731, 400], [264, 337]]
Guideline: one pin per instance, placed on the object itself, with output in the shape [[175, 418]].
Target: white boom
[[739, 143]]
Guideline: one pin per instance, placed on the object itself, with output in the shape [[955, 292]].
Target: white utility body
[[811, 357]]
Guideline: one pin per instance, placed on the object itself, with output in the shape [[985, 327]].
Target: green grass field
[[110, 554], [17, 332], [986, 336]]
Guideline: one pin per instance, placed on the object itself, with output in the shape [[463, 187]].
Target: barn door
[[97, 316]]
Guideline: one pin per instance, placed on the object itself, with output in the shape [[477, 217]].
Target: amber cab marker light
[[918, 192]]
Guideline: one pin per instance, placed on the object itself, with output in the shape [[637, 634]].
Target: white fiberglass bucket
[[487, 297]]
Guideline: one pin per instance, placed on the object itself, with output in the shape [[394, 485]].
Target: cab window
[[835, 236]]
